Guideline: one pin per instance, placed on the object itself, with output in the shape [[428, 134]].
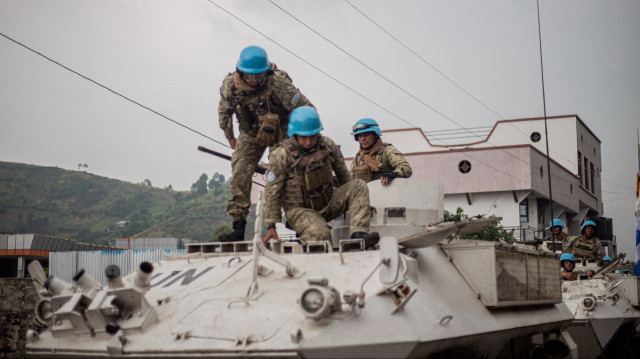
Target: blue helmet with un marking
[[366, 125], [304, 121], [589, 223], [253, 60], [556, 223], [567, 257]]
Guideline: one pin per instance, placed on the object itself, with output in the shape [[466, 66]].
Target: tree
[[199, 188], [146, 182], [216, 184], [492, 232]]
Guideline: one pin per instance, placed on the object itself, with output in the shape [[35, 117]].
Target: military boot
[[238, 232], [370, 239]]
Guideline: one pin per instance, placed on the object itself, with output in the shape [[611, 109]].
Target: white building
[[502, 170]]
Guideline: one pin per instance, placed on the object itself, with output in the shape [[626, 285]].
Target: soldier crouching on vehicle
[[299, 179], [262, 97], [376, 159]]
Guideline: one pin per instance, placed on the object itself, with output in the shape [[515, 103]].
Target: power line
[[401, 89], [423, 60], [113, 91], [445, 76], [365, 65], [422, 102], [617, 184]]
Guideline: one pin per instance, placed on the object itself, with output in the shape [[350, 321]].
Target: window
[[524, 211], [464, 166], [593, 184], [580, 167], [586, 174], [535, 136]]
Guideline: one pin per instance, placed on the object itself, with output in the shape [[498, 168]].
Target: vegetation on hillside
[[89, 208]]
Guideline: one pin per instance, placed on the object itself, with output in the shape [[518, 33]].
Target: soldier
[[587, 245], [262, 97], [376, 159], [556, 228], [567, 263], [299, 179]]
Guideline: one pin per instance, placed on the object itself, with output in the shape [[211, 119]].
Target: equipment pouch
[[269, 133], [319, 185], [362, 172]]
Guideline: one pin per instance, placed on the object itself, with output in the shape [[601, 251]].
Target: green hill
[[87, 208]]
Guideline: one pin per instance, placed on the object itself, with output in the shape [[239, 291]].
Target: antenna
[[546, 134]]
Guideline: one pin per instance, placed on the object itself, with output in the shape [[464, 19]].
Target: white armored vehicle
[[607, 312], [419, 296]]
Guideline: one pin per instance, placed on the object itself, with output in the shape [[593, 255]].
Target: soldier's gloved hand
[[388, 177]]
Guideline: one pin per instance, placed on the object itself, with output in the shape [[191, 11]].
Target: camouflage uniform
[[391, 159], [277, 95], [585, 249], [282, 191], [562, 238]]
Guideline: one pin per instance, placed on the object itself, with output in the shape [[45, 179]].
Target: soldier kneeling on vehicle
[[300, 180]]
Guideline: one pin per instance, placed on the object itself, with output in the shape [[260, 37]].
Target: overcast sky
[[171, 57]]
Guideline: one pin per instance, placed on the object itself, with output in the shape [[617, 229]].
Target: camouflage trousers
[[312, 225], [244, 161]]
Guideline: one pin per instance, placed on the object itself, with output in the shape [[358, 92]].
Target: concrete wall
[[513, 163], [18, 298], [499, 204]]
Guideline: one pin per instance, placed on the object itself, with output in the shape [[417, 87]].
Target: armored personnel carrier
[[419, 295], [606, 310]]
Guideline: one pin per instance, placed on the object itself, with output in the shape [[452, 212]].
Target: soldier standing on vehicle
[[261, 97], [300, 180], [587, 245], [376, 159]]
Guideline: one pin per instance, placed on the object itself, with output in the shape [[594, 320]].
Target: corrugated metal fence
[[64, 265]]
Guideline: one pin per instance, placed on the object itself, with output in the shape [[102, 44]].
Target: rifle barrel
[[259, 169]]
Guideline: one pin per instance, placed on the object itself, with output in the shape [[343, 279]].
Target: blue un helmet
[[366, 125], [253, 60], [304, 121], [589, 223], [556, 223], [606, 258], [567, 257]]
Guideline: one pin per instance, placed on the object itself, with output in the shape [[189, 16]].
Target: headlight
[[589, 302], [316, 302], [44, 312]]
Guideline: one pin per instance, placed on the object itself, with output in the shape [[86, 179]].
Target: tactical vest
[[251, 106], [584, 250], [309, 182], [363, 171]]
